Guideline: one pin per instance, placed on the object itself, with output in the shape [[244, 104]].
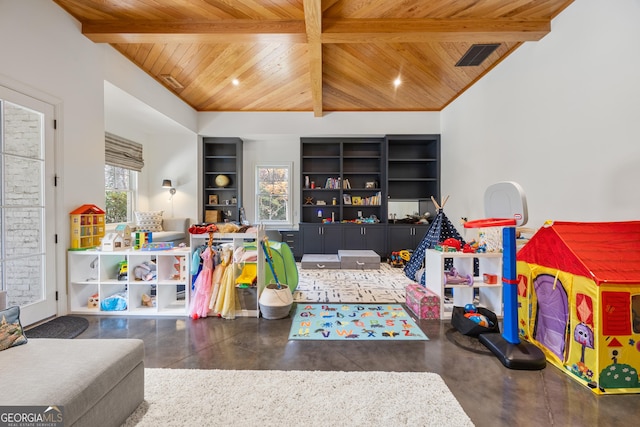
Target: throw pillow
[[149, 221], [11, 333]]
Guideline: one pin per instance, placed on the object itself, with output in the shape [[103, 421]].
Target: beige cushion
[[149, 221]]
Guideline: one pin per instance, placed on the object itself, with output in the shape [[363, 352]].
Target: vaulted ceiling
[[314, 55]]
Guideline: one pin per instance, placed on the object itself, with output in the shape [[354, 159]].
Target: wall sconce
[[166, 183]]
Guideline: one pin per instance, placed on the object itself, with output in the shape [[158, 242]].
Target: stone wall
[[23, 251]]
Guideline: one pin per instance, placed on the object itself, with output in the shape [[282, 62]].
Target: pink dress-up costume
[[200, 302]]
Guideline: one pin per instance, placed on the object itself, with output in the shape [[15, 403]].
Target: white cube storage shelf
[[489, 295], [94, 272]]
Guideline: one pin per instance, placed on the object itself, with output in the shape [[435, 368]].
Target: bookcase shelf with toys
[[460, 285], [151, 282]]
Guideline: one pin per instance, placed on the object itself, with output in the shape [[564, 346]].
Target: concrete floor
[[490, 394]]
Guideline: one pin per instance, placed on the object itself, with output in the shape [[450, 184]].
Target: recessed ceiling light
[[235, 82], [397, 82]]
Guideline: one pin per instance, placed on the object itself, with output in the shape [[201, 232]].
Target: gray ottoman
[[359, 259], [320, 261], [97, 382]]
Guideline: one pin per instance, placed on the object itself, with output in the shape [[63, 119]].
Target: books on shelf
[[333, 183], [374, 200]]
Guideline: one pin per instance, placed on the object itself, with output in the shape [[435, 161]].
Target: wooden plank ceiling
[[313, 55]]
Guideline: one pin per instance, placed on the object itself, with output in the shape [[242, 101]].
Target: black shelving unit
[[413, 163], [341, 179], [222, 156], [354, 178]]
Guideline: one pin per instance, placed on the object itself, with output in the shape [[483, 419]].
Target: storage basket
[[469, 327]]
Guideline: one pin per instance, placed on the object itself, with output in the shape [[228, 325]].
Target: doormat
[[61, 327], [356, 322]]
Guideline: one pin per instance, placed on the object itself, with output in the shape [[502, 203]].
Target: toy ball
[[470, 308]]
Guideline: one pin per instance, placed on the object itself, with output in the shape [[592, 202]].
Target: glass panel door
[[27, 268]]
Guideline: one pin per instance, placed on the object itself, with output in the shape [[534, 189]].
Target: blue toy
[[470, 308], [480, 319]]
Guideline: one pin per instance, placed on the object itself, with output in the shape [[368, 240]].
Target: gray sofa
[[98, 382], [175, 230]]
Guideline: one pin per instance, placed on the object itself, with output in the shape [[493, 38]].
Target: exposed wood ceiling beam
[[313, 24], [430, 30], [331, 31], [224, 31]]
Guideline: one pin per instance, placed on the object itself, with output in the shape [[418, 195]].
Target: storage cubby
[[488, 295], [246, 297], [97, 273]]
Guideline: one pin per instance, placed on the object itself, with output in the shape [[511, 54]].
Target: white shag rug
[[351, 286], [194, 397]]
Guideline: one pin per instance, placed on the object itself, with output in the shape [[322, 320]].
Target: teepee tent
[[439, 230]]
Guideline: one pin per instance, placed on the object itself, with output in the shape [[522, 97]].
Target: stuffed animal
[[145, 271], [93, 301]]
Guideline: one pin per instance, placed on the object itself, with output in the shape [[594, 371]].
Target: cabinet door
[[365, 236], [375, 236], [312, 239], [353, 237], [400, 237], [332, 238]]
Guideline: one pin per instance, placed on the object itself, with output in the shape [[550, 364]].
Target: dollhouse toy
[[579, 301], [125, 231], [112, 242], [87, 227]]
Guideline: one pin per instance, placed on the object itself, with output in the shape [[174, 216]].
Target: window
[[123, 161], [120, 194], [273, 195]]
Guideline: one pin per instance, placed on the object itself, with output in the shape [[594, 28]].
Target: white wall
[[170, 150], [560, 117]]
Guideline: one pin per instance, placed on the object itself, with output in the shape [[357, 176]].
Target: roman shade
[[123, 153]]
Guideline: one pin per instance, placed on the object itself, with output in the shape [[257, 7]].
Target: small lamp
[[166, 183]]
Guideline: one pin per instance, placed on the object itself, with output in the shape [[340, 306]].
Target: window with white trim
[[273, 193], [120, 194], [123, 161]]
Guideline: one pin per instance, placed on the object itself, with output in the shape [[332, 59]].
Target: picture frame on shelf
[[213, 199], [346, 199], [356, 200], [370, 184]]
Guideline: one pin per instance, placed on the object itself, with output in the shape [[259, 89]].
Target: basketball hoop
[[490, 231], [490, 222]]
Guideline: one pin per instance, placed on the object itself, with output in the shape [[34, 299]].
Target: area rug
[[351, 286], [354, 322], [192, 397], [61, 327]]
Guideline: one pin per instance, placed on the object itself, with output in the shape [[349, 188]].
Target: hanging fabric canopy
[[439, 230]]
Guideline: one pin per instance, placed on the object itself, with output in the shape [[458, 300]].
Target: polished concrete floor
[[490, 394]]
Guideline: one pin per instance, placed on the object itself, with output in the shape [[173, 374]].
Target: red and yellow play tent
[[579, 301]]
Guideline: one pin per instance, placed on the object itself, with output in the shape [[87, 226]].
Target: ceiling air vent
[[171, 81], [476, 54]]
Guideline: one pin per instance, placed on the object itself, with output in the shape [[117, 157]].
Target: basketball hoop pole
[[509, 286], [507, 346]]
